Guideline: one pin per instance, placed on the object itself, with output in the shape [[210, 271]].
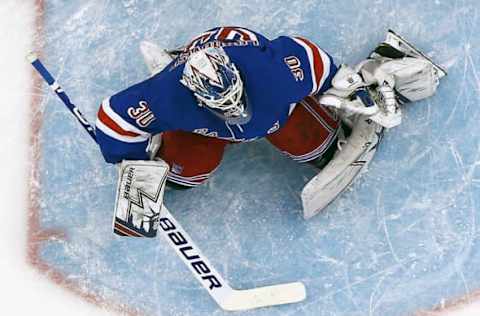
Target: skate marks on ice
[[402, 239]]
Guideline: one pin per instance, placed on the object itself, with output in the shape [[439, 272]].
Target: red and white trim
[[321, 111], [330, 126], [319, 63], [187, 181], [291, 108], [318, 117], [229, 33], [112, 124], [317, 152], [121, 229]]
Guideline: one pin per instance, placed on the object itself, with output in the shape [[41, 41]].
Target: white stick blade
[[265, 296]]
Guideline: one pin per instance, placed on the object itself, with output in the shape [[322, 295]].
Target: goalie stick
[[226, 297]]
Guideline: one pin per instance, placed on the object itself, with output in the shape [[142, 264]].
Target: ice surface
[[404, 238]]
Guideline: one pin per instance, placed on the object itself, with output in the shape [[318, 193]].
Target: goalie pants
[[309, 131]]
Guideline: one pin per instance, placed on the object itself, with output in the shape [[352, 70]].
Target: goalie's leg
[[309, 133], [191, 157]]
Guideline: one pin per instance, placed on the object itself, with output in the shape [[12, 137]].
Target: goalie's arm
[[318, 66], [141, 182], [120, 137], [310, 69]]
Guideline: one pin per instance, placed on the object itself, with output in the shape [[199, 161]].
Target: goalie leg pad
[[344, 168]]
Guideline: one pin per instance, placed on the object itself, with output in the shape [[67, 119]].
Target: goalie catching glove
[[392, 75], [351, 94]]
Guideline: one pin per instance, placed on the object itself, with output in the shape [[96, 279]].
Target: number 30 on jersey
[[295, 67]]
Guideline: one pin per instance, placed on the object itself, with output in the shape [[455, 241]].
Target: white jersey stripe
[[326, 67], [232, 34], [113, 134], [185, 180], [181, 182], [119, 120], [325, 60], [252, 35], [291, 108], [317, 116], [198, 177]]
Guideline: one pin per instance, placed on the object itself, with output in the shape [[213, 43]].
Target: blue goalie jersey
[[276, 74]]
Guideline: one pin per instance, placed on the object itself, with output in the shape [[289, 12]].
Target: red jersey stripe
[[107, 121], [225, 32], [317, 61]]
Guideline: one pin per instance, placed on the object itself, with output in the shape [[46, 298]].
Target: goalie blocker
[[140, 189]]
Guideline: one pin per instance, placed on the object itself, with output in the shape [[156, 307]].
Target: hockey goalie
[[231, 85]]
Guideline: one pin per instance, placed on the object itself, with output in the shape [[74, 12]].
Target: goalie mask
[[217, 85]]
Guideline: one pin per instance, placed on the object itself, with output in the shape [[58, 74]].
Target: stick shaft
[[193, 257], [40, 68]]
